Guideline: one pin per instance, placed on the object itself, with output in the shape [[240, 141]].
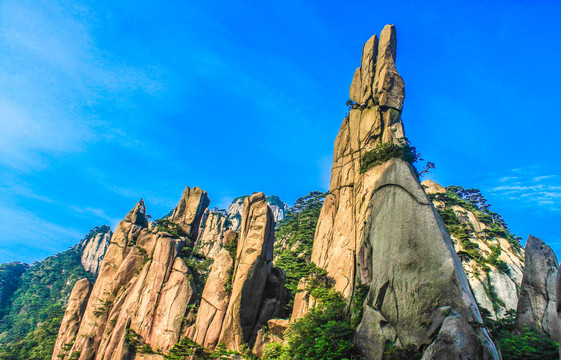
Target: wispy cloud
[[529, 187], [51, 74]]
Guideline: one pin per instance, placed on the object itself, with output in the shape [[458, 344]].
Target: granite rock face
[[537, 306], [235, 210], [252, 268], [93, 248], [143, 288], [378, 228], [211, 233], [502, 282], [72, 317]]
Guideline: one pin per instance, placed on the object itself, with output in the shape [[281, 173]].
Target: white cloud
[[51, 76], [532, 186]]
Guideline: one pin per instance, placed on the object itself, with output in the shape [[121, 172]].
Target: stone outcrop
[[214, 301], [537, 306], [243, 290], [251, 271], [274, 333], [144, 287], [495, 288], [94, 246], [378, 228], [235, 210], [72, 318], [211, 233]]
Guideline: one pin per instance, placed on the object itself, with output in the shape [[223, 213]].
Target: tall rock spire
[[538, 297], [377, 228]]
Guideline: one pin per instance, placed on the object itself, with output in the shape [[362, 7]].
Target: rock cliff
[[72, 317], [537, 306], [491, 257], [94, 246], [378, 228], [144, 286]]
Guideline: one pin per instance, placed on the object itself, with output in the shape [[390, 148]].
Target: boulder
[[537, 305]]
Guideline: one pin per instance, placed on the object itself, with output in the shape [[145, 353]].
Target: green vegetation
[[171, 228], [528, 344], [200, 268], [386, 151], [392, 352], [188, 349], [232, 249], [31, 315], [472, 200], [294, 237], [325, 332], [275, 200], [38, 344]]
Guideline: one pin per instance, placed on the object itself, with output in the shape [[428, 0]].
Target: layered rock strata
[[143, 288], [378, 228], [537, 306]]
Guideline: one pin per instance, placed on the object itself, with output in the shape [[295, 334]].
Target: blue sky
[[102, 103]]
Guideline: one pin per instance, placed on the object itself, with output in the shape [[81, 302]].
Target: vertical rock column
[[378, 228], [72, 317], [537, 305], [251, 270]]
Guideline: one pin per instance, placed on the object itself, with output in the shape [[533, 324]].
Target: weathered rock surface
[[377, 227], [211, 233], [235, 210], [72, 317], [252, 268], [190, 209], [214, 302], [273, 334], [537, 306], [495, 289], [94, 246], [143, 288]]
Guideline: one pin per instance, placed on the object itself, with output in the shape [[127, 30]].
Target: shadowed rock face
[[72, 317], [537, 306], [378, 228], [143, 288]]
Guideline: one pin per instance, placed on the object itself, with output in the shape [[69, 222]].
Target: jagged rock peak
[[376, 81], [190, 209], [538, 299], [138, 214]]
